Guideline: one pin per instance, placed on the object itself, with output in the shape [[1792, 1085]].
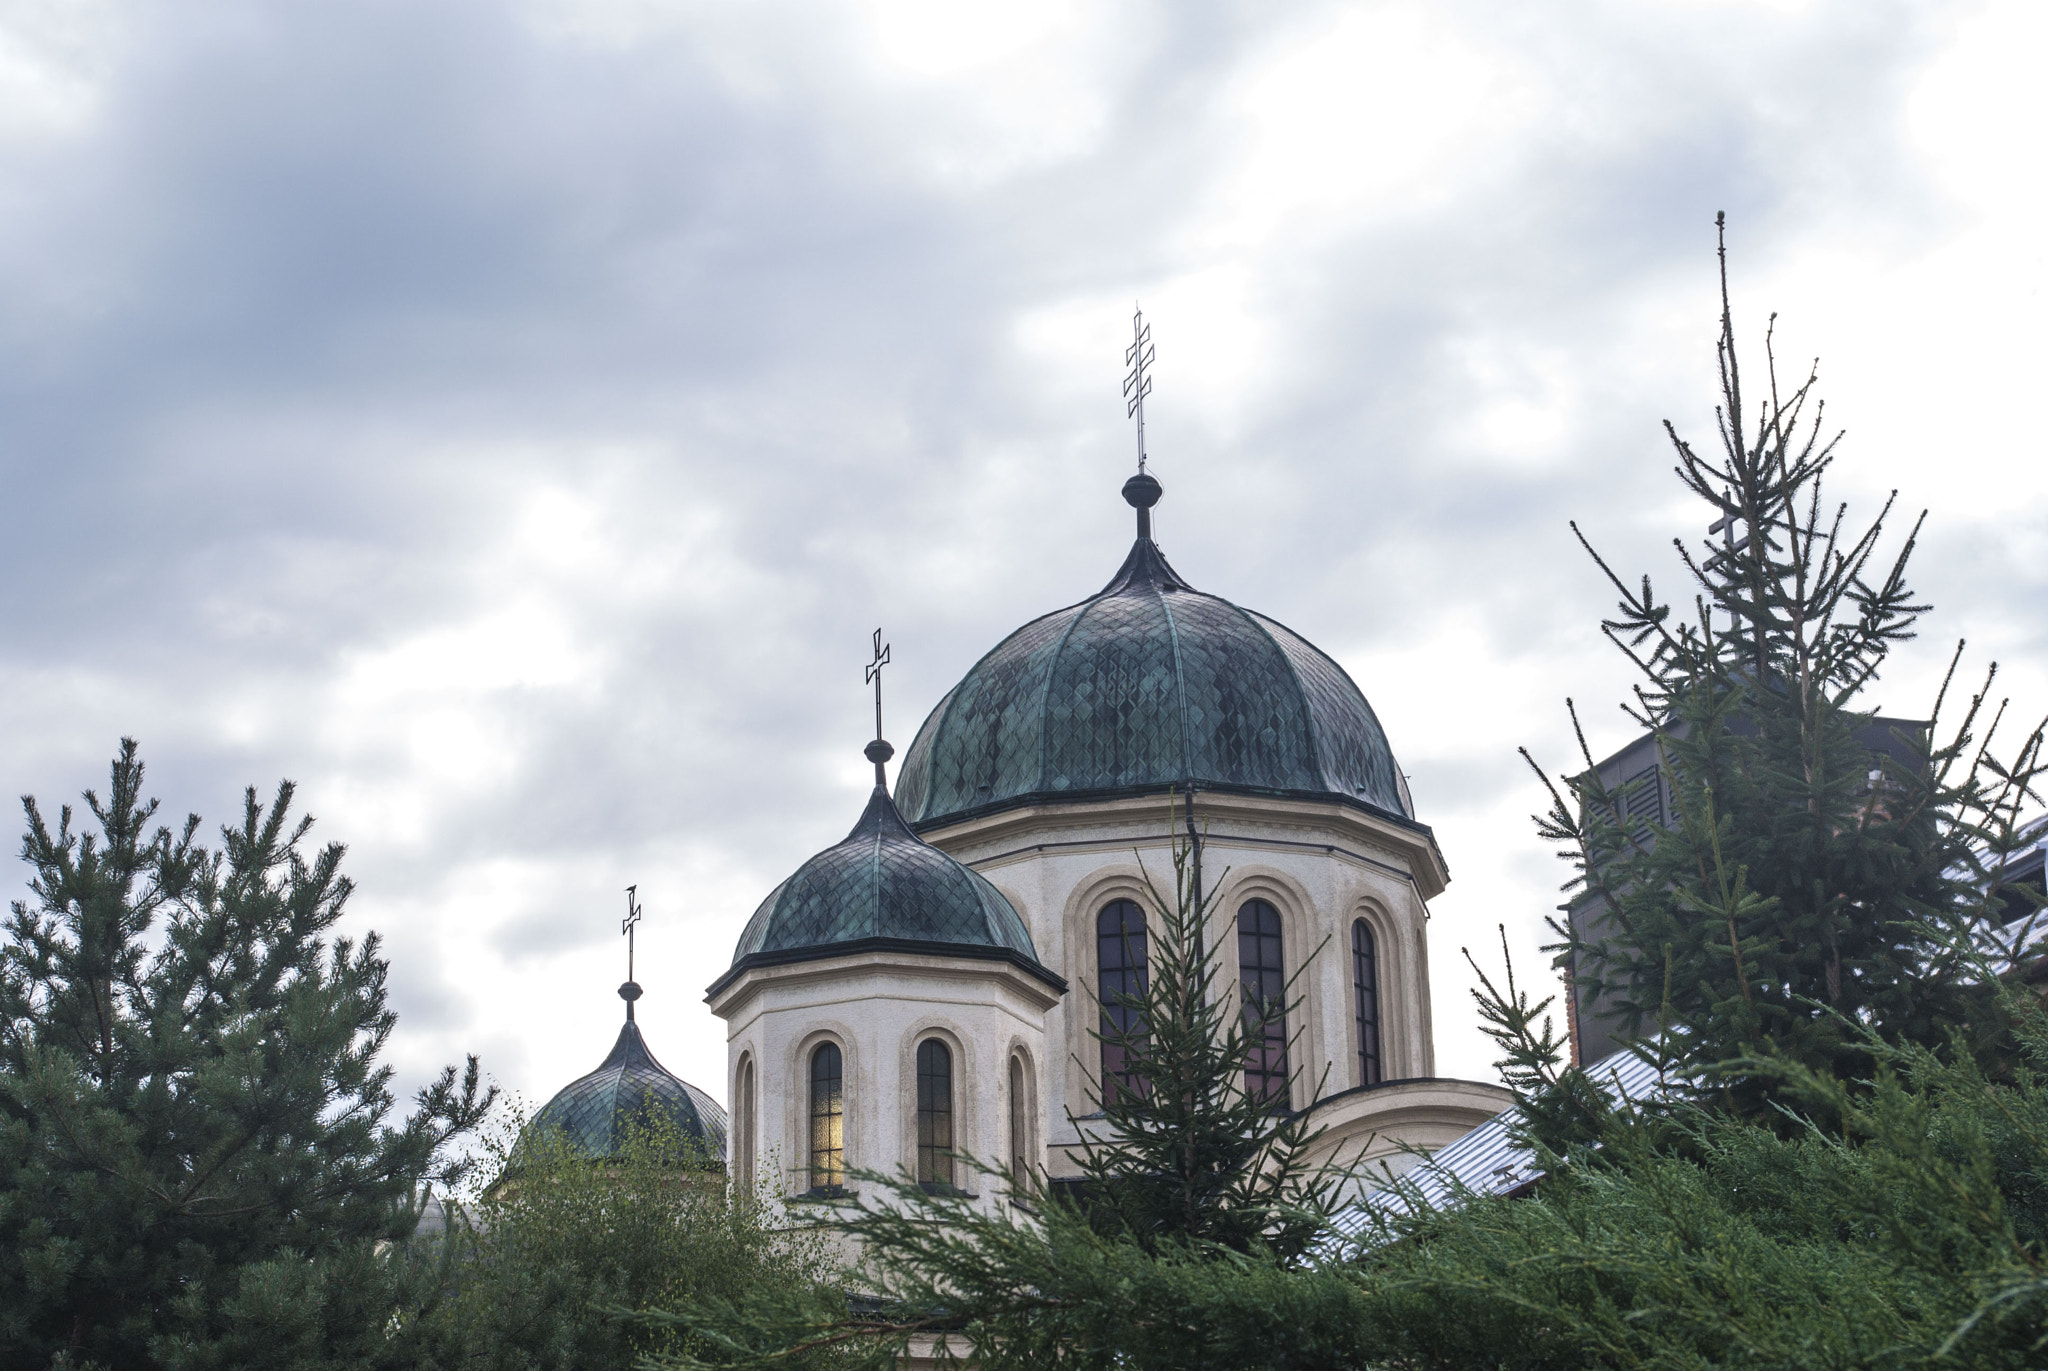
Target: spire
[[1138, 384], [879, 750], [1141, 492], [630, 991]]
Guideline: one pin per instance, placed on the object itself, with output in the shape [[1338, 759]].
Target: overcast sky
[[509, 420]]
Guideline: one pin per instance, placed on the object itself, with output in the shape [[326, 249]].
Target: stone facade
[[877, 1008], [1321, 865]]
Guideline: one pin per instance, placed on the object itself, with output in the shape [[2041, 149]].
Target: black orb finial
[[629, 992], [879, 752], [1142, 492]]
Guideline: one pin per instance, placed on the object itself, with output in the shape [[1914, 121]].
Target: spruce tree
[[1189, 1153], [196, 1167], [1821, 868]]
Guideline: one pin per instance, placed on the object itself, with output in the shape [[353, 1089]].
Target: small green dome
[[595, 1113], [883, 888], [1147, 685]]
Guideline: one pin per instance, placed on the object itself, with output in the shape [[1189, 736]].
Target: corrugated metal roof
[[1488, 1160]]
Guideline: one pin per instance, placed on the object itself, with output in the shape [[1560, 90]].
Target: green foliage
[[193, 1135], [1008, 1291], [559, 1255], [1911, 1234], [1804, 884]]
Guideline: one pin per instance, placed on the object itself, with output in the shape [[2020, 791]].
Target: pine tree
[[1821, 868], [194, 1153]]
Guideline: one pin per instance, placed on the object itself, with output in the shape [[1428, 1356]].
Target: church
[[931, 985]]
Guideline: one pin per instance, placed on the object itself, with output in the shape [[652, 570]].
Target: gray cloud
[[510, 420]]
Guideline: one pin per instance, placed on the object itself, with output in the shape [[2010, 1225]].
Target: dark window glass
[[1263, 977], [1365, 993], [1020, 1122], [828, 1118], [743, 1139], [934, 1114], [1120, 959]]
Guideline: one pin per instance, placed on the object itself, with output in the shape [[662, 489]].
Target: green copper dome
[[884, 888], [596, 1112], [1147, 685]]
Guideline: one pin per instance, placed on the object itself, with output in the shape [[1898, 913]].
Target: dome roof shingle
[[596, 1112], [884, 887], [1146, 685]]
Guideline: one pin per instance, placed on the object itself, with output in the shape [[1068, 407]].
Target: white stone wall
[[878, 1007], [1322, 865]]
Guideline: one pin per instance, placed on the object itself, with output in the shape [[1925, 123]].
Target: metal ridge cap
[[1052, 670], [1311, 725], [943, 711]]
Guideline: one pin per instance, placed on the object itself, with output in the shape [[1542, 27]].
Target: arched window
[[828, 1118], [1020, 1121], [934, 1115], [743, 1121], [1365, 995], [1263, 976], [1120, 963]]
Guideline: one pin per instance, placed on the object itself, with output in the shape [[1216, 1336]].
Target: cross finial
[[1731, 515], [1138, 384], [630, 991], [874, 677], [1725, 525], [879, 751]]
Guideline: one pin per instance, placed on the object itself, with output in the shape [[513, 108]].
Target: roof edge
[[819, 952], [1056, 797]]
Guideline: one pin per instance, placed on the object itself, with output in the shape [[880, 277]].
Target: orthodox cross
[[1725, 526], [874, 677], [1138, 384], [630, 991], [879, 751]]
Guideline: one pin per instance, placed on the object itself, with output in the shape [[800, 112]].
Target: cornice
[[804, 965], [1024, 830], [1411, 1092]]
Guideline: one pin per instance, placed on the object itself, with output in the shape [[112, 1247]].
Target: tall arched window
[[1020, 1121], [1120, 963], [828, 1118], [743, 1124], [1365, 995], [934, 1115], [1263, 976]]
